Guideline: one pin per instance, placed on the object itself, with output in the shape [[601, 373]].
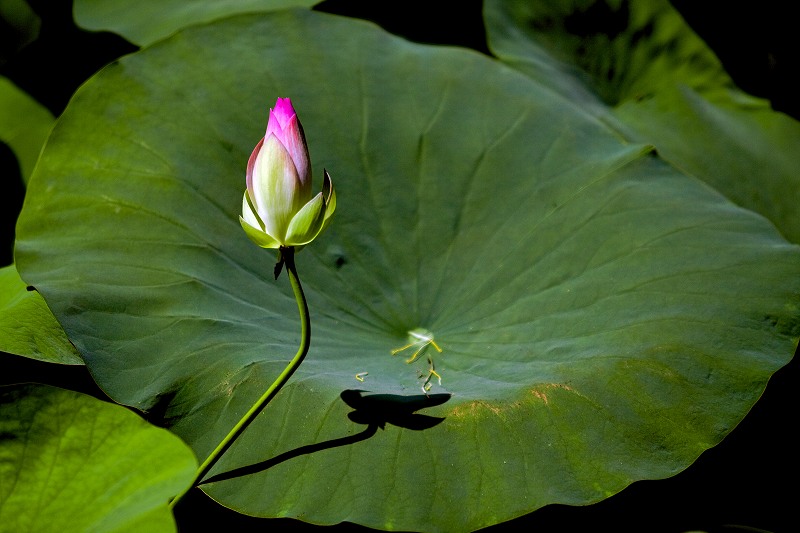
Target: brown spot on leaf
[[540, 391]]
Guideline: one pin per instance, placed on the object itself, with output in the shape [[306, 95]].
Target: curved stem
[[287, 257]]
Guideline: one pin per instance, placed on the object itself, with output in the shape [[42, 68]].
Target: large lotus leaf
[[27, 326], [636, 65], [70, 462], [602, 317], [144, 21], [24, 125]]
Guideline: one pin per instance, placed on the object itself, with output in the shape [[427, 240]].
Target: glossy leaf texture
[[637, 66], [603, 318], [27, 326], [73, 463]]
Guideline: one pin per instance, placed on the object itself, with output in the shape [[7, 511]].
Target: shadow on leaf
[[373, 410], [380, 409]]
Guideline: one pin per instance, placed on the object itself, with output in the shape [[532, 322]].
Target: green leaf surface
[[143, 22], [72, 463], [24, 125], [602, 317], [637, 66], [27, 326]]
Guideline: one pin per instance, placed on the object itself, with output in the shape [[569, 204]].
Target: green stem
[[287, 256]]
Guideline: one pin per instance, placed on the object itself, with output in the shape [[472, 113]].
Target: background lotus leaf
[[603, 318], [145, 21], [637, 66], [27, 326], [24, 125], [72, 463], [20, 26]]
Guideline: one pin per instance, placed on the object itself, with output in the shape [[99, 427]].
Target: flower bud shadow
[[394, 409], [372, 410]]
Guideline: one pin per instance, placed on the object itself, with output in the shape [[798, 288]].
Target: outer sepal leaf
[[257, 236], [307, 223], [330, 197]]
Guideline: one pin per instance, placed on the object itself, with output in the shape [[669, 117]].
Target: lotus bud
[[278, 210]]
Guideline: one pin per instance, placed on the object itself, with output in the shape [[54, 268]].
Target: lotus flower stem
[[287, 258]]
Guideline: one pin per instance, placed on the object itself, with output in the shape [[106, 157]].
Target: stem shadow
[[372, 410]]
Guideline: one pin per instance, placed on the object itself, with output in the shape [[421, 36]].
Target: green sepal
[[307, 223], [330, 202], [257, 236]]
